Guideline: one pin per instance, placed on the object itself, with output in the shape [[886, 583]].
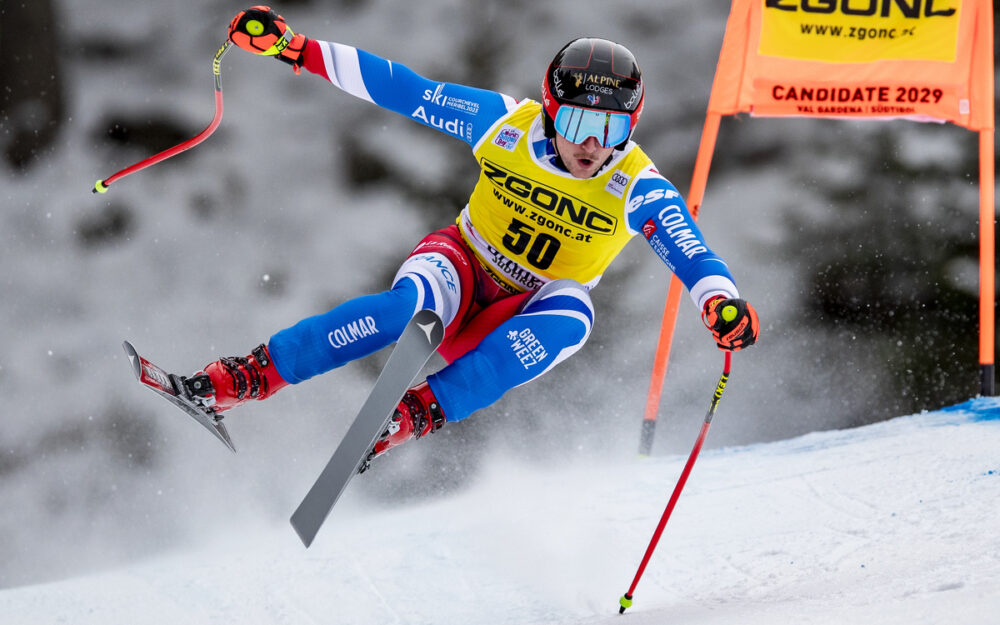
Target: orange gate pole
[[697, 192], [987, 262]]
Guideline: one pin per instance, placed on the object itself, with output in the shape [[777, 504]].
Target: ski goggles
[[577, 124]]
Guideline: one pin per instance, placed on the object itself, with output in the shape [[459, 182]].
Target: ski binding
[[172, 388]]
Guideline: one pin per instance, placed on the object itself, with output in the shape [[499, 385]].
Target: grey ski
[[419, 340], [171, 387]]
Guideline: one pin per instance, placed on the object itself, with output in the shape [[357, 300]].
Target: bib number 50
[[541, 247]]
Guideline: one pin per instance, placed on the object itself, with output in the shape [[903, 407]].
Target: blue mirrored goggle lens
[[576, 124]]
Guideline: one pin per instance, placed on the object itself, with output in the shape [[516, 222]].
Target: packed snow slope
[[888, 523]]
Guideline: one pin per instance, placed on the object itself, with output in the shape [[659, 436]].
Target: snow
[[891, 523]]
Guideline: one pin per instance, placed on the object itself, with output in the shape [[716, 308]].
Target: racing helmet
[[593, 87]]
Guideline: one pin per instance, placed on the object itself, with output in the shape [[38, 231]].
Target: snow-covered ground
[[887, 523]]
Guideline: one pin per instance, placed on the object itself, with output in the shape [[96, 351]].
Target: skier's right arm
[[456, 110]]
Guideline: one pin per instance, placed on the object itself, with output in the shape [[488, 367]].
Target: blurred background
[[856, 241]]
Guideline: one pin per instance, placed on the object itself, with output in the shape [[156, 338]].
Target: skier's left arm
[[657, 211]]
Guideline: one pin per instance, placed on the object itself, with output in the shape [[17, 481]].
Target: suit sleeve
[[658, 212], [456, 110]]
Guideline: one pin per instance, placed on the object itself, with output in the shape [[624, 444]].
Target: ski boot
[[229, 382], [417, 414]]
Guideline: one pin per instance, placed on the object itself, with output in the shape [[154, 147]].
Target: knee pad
[[439, 287]]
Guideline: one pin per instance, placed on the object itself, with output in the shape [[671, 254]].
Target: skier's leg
[[553, 325], [364, 325], [352, 330], [312, 346], [437, 275]]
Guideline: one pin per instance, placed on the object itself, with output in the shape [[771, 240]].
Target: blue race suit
[[533, 229]]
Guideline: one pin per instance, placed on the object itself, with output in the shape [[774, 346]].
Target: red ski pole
[[101, 186], [626, 600]]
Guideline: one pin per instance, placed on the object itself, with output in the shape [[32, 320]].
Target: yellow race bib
[[530, 224]]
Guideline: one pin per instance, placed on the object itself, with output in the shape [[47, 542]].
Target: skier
[[562, 189]]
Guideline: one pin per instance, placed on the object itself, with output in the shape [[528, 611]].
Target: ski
[[171, 387], [419, 340]]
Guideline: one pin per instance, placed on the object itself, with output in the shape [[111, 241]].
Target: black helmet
[[595, 75]]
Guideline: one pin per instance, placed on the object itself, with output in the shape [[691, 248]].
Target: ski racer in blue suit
[[562, 189]]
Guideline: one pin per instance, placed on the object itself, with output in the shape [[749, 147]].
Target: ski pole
[[101, 186], [626, 600]]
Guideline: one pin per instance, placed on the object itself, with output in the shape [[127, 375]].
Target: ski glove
[[733, 322], [262, 31]]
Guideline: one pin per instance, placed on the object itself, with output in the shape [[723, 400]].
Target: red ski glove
[[733, 322], [262, 31]]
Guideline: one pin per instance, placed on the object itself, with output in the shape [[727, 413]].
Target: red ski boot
[[229, 382], [417, 414]]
